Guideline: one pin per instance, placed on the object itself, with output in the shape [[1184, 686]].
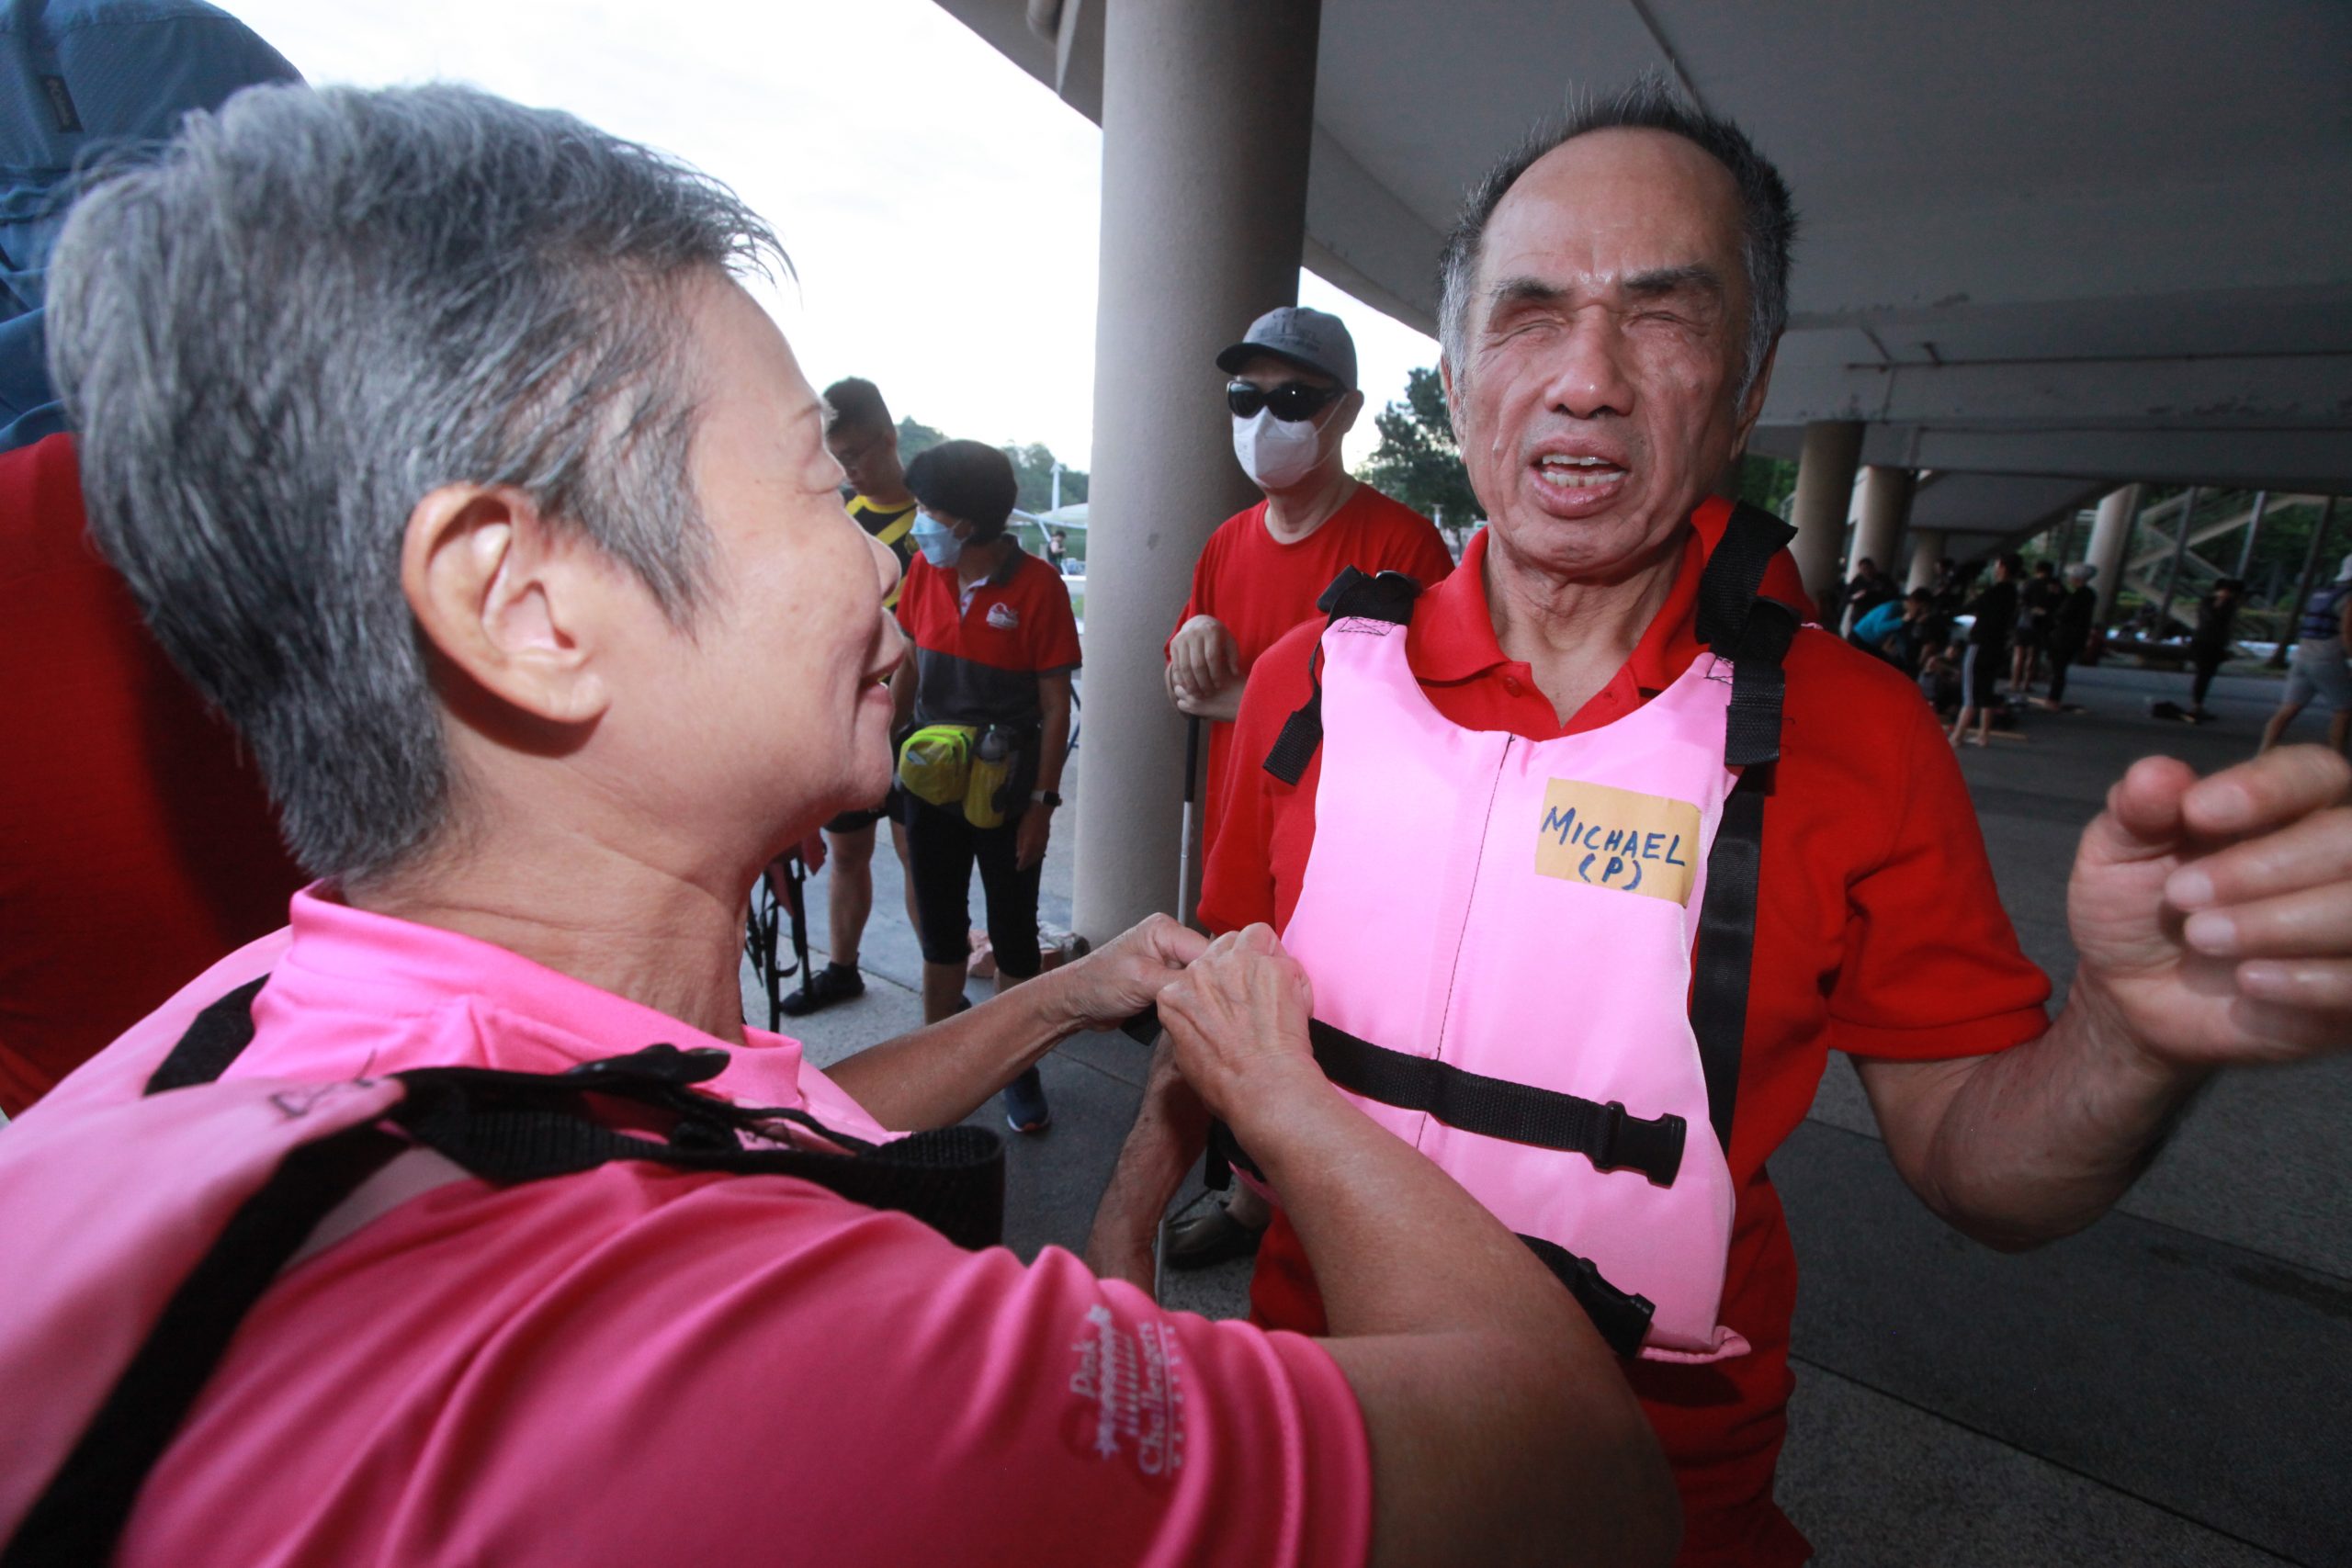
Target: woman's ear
[[508, 599]]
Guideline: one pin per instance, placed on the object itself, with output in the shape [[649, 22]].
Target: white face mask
[[1276, 454]]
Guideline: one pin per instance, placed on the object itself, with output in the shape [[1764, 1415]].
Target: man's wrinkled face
[[1602, 351]]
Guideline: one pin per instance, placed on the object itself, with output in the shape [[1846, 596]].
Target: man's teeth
[[1580, 473]]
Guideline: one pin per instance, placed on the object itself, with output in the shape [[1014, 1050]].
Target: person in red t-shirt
[[1612, 300], [1294, 397], [137, 842]]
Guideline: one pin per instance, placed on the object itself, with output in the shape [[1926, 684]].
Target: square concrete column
[[1833, 450], [1208, 112], [2110, 541]]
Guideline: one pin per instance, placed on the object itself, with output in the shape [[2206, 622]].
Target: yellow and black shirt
[[892, 528]]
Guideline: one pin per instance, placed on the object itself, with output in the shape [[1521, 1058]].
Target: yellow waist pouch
[[962, 767]]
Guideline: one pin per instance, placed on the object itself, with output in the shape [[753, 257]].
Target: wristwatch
[[1046, 797]]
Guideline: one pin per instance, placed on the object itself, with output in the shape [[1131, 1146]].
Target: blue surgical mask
[[937, 541]]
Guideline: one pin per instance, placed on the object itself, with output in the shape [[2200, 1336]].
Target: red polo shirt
[[1879, 931], [1259, 587]]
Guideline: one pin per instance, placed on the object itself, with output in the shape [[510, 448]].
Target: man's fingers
[[2314, 922], [2142, 816], [2308, 853], [2270, 792], [2320, 987]]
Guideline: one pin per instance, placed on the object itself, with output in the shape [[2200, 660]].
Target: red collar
[[1453, 634]]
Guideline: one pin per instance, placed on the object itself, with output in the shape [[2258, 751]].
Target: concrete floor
[[2173, 1386]]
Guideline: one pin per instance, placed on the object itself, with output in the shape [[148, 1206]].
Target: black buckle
[[1652, 1148], [662, 1065]]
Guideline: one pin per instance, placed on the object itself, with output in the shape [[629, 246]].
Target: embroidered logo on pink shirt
[[1135, 1382]]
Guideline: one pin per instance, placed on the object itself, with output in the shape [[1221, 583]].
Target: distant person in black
[[1988, 645], [2038, 598], [2070, 627], [1868, 589], [2209, 644]]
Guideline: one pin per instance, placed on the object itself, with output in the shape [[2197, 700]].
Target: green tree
[[1416, 461], [916, 436], [1768, 482], [1033, 465]]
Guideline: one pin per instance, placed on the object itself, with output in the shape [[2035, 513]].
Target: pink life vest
[[1500, 935]]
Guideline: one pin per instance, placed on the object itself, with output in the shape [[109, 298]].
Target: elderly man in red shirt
[[1612, 299]]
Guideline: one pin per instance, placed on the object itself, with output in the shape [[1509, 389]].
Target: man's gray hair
[[312, 310], [1768, 219]]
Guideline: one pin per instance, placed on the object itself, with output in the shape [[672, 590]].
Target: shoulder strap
[[1737, 622], [1351, 596], [503, 1127]]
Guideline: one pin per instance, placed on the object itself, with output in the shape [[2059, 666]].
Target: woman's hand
[[1237, 1018], [1125, 975]]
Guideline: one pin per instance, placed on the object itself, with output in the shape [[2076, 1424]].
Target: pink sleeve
[[897, 1399]]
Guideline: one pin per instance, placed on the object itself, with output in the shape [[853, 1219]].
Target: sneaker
[[1024, 1104], [1210, 1238], [833, 982]]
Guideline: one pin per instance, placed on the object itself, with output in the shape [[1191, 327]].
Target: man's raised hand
[[2213, 917]]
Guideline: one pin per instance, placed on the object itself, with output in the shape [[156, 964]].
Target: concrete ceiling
[[2076, 242]]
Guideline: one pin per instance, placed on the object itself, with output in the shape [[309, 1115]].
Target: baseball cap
[[1317, 339]]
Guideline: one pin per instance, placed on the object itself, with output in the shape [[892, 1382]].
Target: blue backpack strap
[[1351, 596]]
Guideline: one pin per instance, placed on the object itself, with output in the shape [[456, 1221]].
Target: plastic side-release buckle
[[1629, 1142]]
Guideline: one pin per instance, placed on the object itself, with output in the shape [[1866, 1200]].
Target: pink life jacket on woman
[[1500, 935]]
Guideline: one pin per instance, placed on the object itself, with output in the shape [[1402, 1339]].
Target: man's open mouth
[[1578, 473]]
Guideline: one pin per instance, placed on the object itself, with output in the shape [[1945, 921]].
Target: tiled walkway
[[2172, 1387]]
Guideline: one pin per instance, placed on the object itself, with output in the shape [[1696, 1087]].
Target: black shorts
[[942, 849], [1980, 668]]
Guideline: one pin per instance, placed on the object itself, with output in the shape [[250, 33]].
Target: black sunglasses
[[1291, 401]]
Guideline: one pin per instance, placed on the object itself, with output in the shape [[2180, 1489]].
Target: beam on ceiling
[[2205, 390]]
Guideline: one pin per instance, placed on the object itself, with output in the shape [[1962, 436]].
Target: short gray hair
[[314, 309], [1767, 218]]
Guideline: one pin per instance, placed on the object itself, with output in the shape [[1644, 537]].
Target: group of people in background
[[992, 646], [1963, 646]]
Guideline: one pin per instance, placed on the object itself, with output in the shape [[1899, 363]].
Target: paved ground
[[2172, 1387]]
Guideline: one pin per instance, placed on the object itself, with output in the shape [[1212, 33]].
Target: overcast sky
[[940, 205]]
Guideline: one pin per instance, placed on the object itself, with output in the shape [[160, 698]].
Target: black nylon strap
[[1752, 724], [1727, 946], [211, 1043], [1623, 1319], [1498, 1108], [1735, 574], [79, 1516], [1350, 596]]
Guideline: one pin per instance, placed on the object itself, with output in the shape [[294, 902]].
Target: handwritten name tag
[[1618, 838]]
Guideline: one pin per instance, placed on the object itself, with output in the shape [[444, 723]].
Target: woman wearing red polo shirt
[[995, 644]]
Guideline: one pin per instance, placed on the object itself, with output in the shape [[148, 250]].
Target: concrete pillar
[[2110, 542], [1833, 449], [1926, 550], [1885, 508], [1208, 110]]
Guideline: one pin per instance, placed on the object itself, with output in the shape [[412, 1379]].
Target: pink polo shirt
[[637, 1365]]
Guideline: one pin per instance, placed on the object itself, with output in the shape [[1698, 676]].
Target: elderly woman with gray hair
[[464, 1220]]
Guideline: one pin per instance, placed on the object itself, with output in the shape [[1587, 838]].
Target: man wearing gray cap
[[1292, 391]]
